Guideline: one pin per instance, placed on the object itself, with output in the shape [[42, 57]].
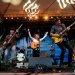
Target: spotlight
[[6, 18], [12, 18], [57, 17], [36, 17], [64, 16], [51, 17], [17, 18], [46, 18], [25, 17], [70, 16], [30, 17]]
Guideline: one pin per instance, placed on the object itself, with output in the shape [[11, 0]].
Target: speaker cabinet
[[33, 61]]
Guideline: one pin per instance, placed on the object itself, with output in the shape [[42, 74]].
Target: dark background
[[35, 26]]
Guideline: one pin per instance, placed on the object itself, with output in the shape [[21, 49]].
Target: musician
[[36, 39], [55, 30], [10, 51]]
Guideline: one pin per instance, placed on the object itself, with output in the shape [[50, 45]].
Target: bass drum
[[21, 56]]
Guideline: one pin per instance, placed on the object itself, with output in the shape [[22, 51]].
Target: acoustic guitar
[[60, 39], [34, 45]]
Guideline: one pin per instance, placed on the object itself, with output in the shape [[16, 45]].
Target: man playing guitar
[[9, 45], [56, 34], [36, 42]]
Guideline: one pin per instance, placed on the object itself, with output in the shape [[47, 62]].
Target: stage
[[37, 74]]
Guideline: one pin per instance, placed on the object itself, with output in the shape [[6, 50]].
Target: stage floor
[[37, 74]]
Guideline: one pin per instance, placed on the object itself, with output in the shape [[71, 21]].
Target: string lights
[[46, 17], [42, 18]]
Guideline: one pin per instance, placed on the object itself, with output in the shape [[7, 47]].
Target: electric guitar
[[60, 39], [34, 45]]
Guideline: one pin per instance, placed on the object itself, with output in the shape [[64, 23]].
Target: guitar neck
[[67, 27], [71, 25], [15, 33]]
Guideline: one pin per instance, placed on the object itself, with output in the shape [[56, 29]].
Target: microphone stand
[[39, 42], [25, 51]]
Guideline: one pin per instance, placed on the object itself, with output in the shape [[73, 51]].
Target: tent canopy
[[50, 7]]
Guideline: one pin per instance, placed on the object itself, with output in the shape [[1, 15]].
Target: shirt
[[56, 29], [12, 42], [35, 40]]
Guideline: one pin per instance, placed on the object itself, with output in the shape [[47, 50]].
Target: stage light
[[25, 17], [12, 18], [64, 16], [17, 18], [51, 17], [30, 17], [36, 17], [6, 18], [46, 18], [70, 16], [57, 17]]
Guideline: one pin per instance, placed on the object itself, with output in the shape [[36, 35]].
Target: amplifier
[[33, 61]]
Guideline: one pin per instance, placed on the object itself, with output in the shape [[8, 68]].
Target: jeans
[[10, 53], [63, 45]]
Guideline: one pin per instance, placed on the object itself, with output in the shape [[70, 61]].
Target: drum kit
[[22, 54], [21, 58]]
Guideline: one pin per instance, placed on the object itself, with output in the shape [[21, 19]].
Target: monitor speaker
[[33, 61]]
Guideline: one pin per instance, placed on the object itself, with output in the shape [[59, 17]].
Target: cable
[[48, 7], [2, 15]]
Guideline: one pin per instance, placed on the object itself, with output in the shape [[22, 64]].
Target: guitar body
[[5, 46], [57, 39], [34, 45]]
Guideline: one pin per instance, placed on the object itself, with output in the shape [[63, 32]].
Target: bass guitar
[[9, 41]]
